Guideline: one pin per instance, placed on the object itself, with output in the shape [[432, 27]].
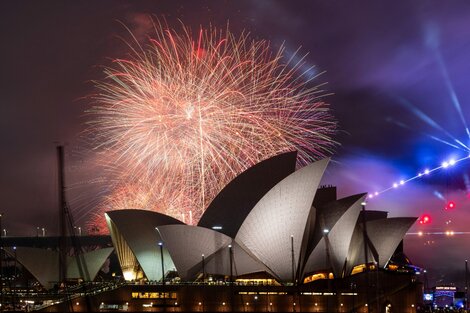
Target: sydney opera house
[[265, 221], [272, 240]]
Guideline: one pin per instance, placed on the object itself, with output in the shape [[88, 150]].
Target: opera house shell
[[43, 264], [270, 220]]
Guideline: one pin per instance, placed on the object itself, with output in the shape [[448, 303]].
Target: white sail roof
[[43, 264], [279, 218], [332, 250], [138, 229], [386, 234], [187, 244], [228, 210]]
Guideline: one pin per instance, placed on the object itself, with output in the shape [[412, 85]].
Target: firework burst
[[188, 112]]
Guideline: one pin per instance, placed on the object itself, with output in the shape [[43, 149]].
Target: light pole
[[14, 249], [230, 263], [231, 276], [366, 259], [293, 270], [203, 270], [160, 244], [327, 264], [292, 258], [79, 230], [203, 281]]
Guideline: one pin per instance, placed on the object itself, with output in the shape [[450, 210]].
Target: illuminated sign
[[153, 295], [452, 288]]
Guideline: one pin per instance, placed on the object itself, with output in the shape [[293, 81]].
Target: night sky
[[398, 71]]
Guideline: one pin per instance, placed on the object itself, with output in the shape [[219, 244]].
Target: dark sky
[[399, 72]]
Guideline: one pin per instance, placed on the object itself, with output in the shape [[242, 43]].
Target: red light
[[450, 205], [425, 219]]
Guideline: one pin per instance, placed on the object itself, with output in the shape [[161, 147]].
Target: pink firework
[[188, 112]]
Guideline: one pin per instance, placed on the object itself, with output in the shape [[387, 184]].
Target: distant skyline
[[398, 73]]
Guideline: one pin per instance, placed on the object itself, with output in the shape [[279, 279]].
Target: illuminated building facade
[[293, 247], [283, 231]]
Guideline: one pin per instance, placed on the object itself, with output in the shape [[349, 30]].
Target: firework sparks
[[136, 195], [189, 113]]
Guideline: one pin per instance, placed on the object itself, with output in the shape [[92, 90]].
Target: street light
[[14, 249], [79, 230], [163, 266], [203, 270], [230, 255], [327, 264], [203, 280], [366, 247], [230, 262], [292, 258]]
